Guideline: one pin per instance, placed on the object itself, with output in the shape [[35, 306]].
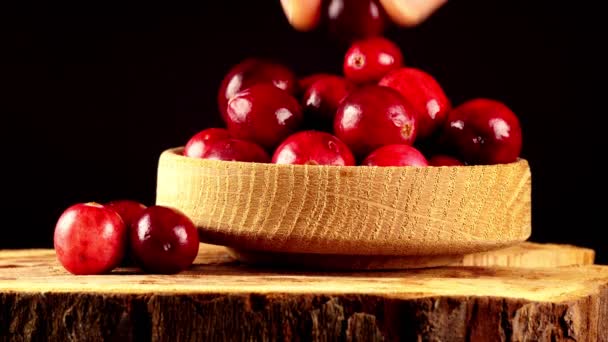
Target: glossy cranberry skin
[[313, 148], [253, 71], [348, 20], [484, 131], [164, 240], [90, 238], [321, 100], [395, 155], [236, 150], [368, 60], [444, 160], [199, 143], [426, 96], [373, 116], [128, 210], [263, 114]]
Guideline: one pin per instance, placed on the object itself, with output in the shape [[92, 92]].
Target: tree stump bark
[[219, 299]]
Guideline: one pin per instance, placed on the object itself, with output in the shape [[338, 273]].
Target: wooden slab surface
[[221, 299]]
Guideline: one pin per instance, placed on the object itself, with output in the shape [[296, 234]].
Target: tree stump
[[219, 299]]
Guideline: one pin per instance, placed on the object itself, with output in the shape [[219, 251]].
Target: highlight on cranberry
[[90, 238], [369, 60], [373, 116], [253, 71], [371, 111], [198, 145], [313, 148], [164, 240]]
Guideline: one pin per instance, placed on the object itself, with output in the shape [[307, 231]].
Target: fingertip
[[303, 15], [410, 12]]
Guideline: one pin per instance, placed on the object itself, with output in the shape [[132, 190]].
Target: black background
[[91, 93]]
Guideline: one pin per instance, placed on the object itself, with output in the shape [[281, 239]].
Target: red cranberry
[[443, 160], [236, 150], [322, 99], [396, 155], [199, 143], [484, 131], [128, 210], [90, 239], [374, 116], [370, 59], [263, 114], [253, 71], [313, 148], [425, 95], [164, 240], [305, 82], [348, 20]]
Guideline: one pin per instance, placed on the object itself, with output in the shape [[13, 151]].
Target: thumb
[[302, 14], [410, 12]]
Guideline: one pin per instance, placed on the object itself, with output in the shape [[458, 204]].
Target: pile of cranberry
[[91, 238], [379, 113]]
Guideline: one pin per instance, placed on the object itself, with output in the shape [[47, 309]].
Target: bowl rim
[[177, 152]]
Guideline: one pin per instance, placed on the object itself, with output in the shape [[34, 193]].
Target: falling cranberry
[[90, 238], [313, 148], [236, 150], [263, 114], [322, 99], [425, 95], [370, 59], [373, 116], [253, 71], [348, 20], [164, 240], [199, 143], [396, 155], [484, 131], [444, 160]]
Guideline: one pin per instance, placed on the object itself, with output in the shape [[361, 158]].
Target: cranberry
[[396, 155], [305, 82], [444, 160], [348, 20], [236, 150], [263, 114], [313, 148], [373, 116], [199, 143], [253, 71], [484, 131], [370, 59], [164, 240], [90, 238], [322, 99], [129, 211], [425, 95]]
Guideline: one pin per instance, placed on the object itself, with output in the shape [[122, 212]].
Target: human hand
[[304, 14]]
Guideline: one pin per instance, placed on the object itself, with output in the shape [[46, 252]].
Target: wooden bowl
[[349, 217]]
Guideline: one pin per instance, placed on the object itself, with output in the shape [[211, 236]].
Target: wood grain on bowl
[[369, 211]]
